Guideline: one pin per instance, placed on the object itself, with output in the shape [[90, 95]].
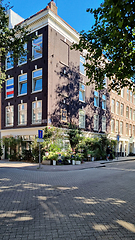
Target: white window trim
[[40, 90], [96, 98], [36, 123], [6, 87], [96, 129], [19, 64], [80, 110], [19, 112], [84, 74], [19, 94], [103, 130], [33, 59], [6, 63], [104, 100], [83, 91], [9, 125]]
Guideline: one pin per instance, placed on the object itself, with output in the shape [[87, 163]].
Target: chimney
[[52, 6]]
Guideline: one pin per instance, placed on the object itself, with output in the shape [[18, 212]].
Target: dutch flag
[[10, 90]]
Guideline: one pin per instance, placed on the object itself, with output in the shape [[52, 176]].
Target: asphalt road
[[94, 203]]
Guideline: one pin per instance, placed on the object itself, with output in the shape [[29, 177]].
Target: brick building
[[48, 87]]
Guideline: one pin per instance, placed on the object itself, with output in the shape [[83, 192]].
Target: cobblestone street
[[94, 203]]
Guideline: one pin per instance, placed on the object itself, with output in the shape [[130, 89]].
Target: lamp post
[[118, 138]]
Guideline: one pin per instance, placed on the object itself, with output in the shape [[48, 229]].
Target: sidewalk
[[51, 168]]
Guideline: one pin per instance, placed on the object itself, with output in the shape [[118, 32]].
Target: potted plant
[[53, 157], [78, 158], [46, 161]]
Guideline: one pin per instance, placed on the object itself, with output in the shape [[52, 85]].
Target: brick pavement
[[95, 203]]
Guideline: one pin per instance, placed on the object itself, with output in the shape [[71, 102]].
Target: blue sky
[[71, 11]]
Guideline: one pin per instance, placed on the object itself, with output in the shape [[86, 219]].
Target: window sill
[[36, 91], [20, 64], [22, 124], [33, 59], [20, 95], [81, 101], [36, 123], [9, 98], [9, 125], [9, 68]]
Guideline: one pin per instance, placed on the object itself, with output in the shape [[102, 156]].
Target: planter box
[[77, 162], [54, 162], [46, 162], [73, 162]]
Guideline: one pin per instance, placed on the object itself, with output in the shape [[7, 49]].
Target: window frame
[[112, 129], [12, 116], [23, 57], [96, 99], [9, 86], [8, 56], [36, 121], [82, 91], [81, 117], [113, 106], [104, 102], [20, 83], [122, 109], [38, 37], [22, 111], [82, 61], [118, 108], [104, 124], [34, 79], [96, 122]]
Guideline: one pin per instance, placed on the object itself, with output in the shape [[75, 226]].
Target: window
[[37, 112], [122, 92], [82, 61], [131, 96], [112, 125], [9, 116], [117, 108], [134, 115], [22, 84], [117, 127], [127, 112], [37, 80], [133, 131], [81, 92], [127, 129], [134, 98], [127, 94], [9, 61], [105, 82], [130, 113], [130, 130], [96, 122], [81, 119], [103, 102], [10, 88], [121, 127], [122, 109], [23, 58], [37, 47], [22, 114], [103, 123], [63, 115], [96, 99], [113, 106]]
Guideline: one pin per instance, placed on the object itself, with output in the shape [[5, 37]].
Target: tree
[[11, 40], [110, 45], [74, 135]]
